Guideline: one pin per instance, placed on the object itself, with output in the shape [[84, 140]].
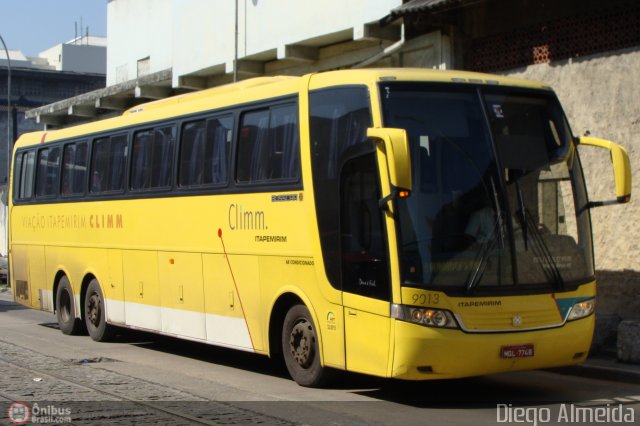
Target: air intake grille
[[22, 290]]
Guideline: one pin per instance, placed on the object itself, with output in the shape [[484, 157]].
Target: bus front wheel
[[65, 309], [301, 350], [94, 313]]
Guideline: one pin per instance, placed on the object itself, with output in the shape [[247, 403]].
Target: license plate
[[516, 351]]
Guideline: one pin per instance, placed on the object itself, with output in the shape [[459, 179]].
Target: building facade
[[200, 38], [587, 50]]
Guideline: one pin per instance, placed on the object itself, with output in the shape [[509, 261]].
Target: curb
[[616, 371]]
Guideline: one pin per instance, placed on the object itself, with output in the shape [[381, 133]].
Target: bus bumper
[[422, 353]]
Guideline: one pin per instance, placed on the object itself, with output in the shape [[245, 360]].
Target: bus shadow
[[6, 306], [203, 352], [471, 393], [519, 389]]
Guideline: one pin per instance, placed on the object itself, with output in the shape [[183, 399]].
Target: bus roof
[[420, 74], [259, 88], [207, 93], [217, 97]]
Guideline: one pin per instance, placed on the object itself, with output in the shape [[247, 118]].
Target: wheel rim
[[65, 305], [302, 343], [93, 309]]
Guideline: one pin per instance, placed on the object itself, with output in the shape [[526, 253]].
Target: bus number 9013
[[425, 298]]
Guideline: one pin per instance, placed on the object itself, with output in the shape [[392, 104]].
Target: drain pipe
[[389, 50], [235, 41]]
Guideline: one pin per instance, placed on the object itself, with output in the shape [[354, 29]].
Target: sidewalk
[[604, 367], [596, 366]]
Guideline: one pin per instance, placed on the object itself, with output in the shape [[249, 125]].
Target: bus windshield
[[498, 202]]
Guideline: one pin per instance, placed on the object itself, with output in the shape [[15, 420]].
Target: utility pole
[[235, 50], [8, 146], [8, 107]]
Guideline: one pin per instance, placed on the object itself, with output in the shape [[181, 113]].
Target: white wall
[[75, 58], [18, 60], [269, 24], [84, 54], [195, 35], [137, 29], [203, 36]]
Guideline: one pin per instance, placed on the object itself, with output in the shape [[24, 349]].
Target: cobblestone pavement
[[108, 397]]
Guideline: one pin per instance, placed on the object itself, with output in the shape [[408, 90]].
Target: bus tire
[[94, 313], [65, 309], [300, 348]]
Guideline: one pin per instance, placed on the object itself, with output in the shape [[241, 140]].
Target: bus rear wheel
[[301, 350], [94, 313], [66, 309]]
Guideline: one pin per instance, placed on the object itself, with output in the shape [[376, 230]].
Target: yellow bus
[[402, 223]]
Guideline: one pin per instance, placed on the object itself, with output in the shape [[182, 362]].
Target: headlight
[[581, 309], [424, 316]]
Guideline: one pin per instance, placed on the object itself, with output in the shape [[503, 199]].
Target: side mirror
[[396, 146], [621, 169]]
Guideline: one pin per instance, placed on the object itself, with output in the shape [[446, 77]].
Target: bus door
[[365, 266]]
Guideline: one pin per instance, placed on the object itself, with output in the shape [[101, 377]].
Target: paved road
[[146, 379]]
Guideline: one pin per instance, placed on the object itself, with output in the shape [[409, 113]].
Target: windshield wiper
[[483, 260], [523, 215], [498, 234], [540, 249]]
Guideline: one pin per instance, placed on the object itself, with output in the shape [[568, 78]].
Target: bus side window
[[204, 152], [48, 172], [25, 175], [17, 172], [216, 153], [74, 168], [162, 159], [68, 156], [99, 163], [191, 158], [140, 173], [284, 159], [41, 172], [254, 132], [152, 158], [268, 145], [118, 161], [108, 161]]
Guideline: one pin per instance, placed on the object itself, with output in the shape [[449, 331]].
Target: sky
[[33, 26]]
